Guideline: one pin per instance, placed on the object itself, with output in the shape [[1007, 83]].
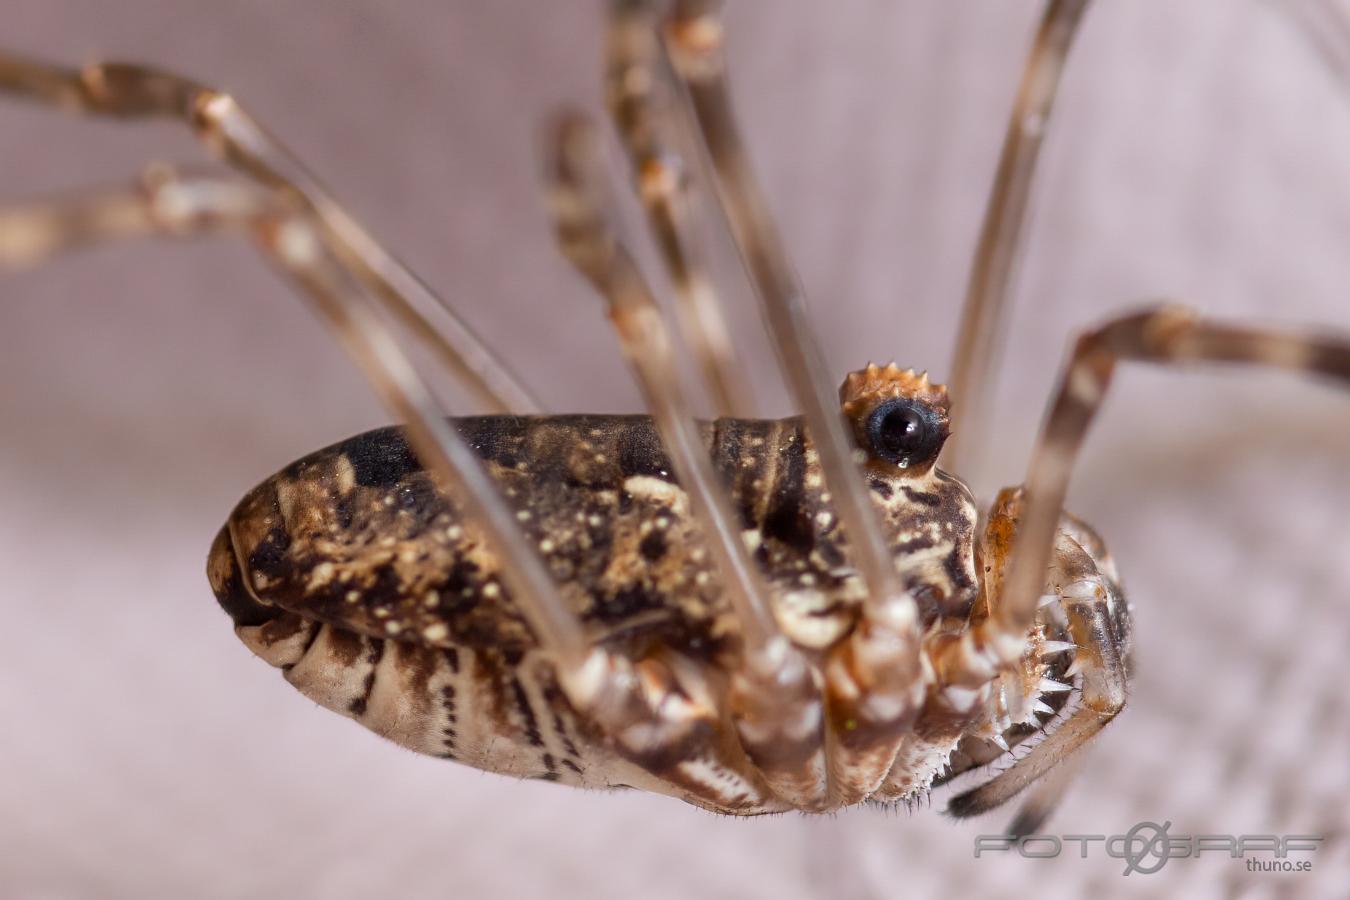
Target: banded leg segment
[[774, 700], [129, 91], [641, 101], [649, 708], [984, 313], [874, 681], [654, 712], [290, 237]]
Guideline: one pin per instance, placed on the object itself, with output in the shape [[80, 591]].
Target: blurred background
[[1199, 151]]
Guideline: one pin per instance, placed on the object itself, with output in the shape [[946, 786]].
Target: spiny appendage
[[1063, 654]]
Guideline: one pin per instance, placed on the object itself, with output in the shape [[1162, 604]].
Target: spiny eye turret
[[899, 418]]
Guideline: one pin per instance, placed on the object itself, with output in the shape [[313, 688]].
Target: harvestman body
[[750, 615]]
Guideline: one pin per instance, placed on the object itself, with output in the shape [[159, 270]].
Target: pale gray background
[[1201, 151]]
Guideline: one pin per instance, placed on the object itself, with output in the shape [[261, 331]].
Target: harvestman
[[658, 602]]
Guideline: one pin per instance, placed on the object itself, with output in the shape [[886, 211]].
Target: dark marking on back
[[924, 497], [787, 519], [531, 723], [232, 593], [653, 546], [554, 697], [358, 705], [641, 453], [269, 557], [626, 603], [919, 542], [380, 458], [448, 732], [345, 645], [953, 563]]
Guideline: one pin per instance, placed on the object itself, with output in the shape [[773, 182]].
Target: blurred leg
[[874, 682], [775, 703], [984, 314], [1166, 335], [292, 239], [133, 92], [641, 100]]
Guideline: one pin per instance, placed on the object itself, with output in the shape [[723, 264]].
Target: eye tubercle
[[899, 417]]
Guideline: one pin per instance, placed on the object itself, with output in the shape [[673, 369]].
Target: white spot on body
[[801, 615], [656, 490], [320, 576], [346, 475]]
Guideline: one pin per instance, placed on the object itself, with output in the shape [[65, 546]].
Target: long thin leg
[[173, 205], [984, 314], [230, 133], [1167, 335], [644, 706], [775, 702], [641, 103], [874, 683]]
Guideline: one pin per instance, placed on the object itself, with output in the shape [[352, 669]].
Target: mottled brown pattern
[[356, 536]]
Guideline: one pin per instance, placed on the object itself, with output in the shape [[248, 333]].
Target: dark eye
[[903, 432]]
